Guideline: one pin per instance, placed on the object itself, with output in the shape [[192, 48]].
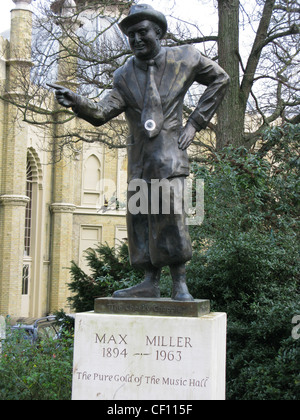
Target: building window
[[25, 279], [90, 237], [91, 181], [32, 260], [28, 213]]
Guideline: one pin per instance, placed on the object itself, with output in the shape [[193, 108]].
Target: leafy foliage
[[110, 270], [36, 372], [246, 261]]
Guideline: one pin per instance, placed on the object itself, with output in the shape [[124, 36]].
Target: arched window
[[32, 263], [91, 181], [28, 213]]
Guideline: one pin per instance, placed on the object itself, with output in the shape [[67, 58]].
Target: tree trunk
[[231, 112]]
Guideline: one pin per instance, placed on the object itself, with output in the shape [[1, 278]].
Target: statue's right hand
[[64, 96]]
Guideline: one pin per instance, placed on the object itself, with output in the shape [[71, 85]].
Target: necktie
[[152, 115]]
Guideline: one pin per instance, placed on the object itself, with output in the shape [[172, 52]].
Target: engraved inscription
[[116, 346], [143, 308], [162, 341], [111, 339], [139, 380], [157, 348], [111, 343]]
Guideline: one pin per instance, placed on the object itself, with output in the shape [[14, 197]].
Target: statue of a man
[[150, 89]]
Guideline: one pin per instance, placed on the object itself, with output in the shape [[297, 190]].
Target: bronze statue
[[150, 89]]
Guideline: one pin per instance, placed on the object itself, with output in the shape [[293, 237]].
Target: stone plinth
[[140, 357], [152, 307]]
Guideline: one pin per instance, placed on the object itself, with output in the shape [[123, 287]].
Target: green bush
[[40, 371], [110, 270], [246, 261]]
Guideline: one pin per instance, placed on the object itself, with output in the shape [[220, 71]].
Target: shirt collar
[[159, 60]]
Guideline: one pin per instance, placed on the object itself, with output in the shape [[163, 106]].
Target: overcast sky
[[6, 6]]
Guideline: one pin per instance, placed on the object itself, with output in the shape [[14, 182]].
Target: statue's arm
[[95, 113], [210, 74], [98, 113]]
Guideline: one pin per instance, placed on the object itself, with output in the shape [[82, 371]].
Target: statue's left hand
[[187, 136]]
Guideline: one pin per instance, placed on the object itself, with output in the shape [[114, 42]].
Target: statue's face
[[144, 40]]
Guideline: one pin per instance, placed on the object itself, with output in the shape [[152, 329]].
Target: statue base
[[151, 307], [145, 357]]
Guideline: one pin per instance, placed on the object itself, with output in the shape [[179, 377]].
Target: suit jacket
[[159, 157]]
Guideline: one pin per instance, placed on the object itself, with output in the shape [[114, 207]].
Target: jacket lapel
[[170, 76], [130, 85]]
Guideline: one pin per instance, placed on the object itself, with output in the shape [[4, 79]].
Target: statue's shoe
[[180, 292], [183, 297], [145, 289]]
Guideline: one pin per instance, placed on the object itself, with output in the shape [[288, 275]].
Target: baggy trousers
[[156, 223]]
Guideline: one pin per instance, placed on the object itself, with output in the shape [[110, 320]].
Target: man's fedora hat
[[140, 12]]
